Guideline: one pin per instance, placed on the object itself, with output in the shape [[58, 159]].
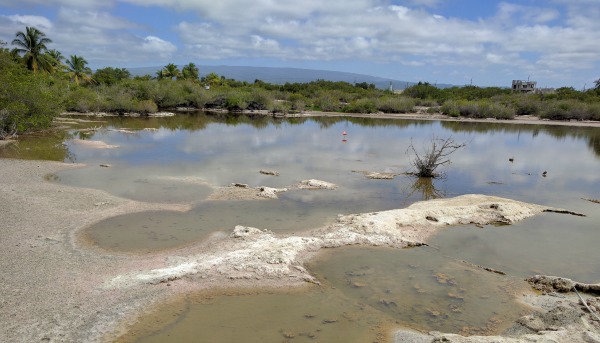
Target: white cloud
[[11, 24], [100, 37], [38, 22], [68, 3], [92, 18], [156, 45], [554, 34]]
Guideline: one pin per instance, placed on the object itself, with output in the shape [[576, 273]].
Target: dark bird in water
[[544, 174], [511, 159]]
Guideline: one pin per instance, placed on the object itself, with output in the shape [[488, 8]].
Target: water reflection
[[426, 187], [589, 134], [47, 146]]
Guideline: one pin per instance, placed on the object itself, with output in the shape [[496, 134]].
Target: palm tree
[[190, 72], [32, 44], [597, 83], [57, 57], [168, 72], [77, 69]]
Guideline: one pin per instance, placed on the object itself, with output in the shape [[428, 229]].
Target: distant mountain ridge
[[283, 75]]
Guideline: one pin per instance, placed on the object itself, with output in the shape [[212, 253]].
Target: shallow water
[[149, 231], [365, 292], [316, 315], [186, 156]]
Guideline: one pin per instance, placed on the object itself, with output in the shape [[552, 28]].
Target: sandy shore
[[55, 288]]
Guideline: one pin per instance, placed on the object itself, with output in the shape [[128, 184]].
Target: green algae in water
[[423, 289], [311, 316]]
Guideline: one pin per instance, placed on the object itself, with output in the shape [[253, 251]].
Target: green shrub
[[259, 99], [527, 106], [426, 102], [477, 109], [422, 90], [200, 99], [566, 110], [450, 108], [327, 102], [434, 110], [83, 100], [235, 101], [28, 101], [498, 111], [395, 104], [281, 106], [146, 107], [594, 111], [361, 106]]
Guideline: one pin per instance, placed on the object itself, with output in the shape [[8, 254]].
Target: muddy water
[[423, 287], [364, 293], [316, 315]]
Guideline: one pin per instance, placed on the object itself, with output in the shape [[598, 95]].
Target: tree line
[[38, 83]]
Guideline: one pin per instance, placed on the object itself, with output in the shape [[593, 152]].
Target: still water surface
[[184, 157]]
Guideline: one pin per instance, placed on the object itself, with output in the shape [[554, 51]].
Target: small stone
[[269, 172]]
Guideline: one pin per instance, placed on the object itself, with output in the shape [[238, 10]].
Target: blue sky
[[554, 42]]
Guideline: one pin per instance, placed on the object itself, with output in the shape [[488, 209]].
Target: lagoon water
[[184, 157]]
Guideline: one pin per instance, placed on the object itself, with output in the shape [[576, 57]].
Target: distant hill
[[283, 75]]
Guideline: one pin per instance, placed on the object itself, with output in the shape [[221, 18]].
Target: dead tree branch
[[436, 155]]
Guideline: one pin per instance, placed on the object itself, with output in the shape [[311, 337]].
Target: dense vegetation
[[37, 83]]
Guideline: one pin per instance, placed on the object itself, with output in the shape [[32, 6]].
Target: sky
[[479, 42]]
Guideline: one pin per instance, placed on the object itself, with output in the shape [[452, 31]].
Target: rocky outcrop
[[549, 284], [270, 193]]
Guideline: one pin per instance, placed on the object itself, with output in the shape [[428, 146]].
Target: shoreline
[[525, 119], [63, 291]]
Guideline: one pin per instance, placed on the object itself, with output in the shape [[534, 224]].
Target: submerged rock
[[269, 172], [377, 175], [316, 184]]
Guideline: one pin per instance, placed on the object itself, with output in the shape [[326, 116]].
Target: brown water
[[422, 287], [316, 315], [365, 292], [187, 155]]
